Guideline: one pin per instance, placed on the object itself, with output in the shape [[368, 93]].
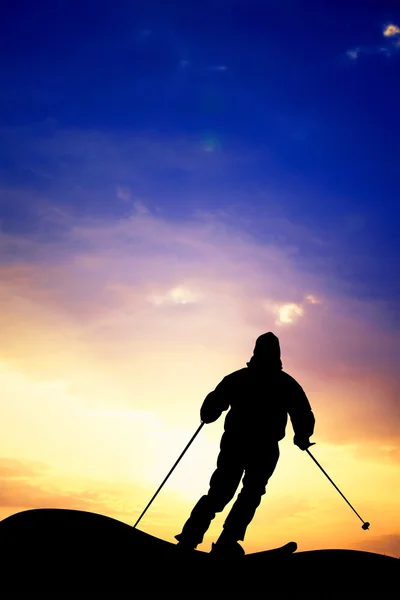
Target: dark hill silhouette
[[56, 550]]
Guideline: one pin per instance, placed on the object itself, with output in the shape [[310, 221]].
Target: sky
[[176, 179]]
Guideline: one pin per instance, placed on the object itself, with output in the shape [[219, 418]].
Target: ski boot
[[227, 549]]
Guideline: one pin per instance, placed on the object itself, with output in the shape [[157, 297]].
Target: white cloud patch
[[289, 313], [391, 30]]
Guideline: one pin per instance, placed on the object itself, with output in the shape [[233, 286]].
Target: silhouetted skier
[[261, 396]]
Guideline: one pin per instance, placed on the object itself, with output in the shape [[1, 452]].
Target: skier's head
[[267, 352]]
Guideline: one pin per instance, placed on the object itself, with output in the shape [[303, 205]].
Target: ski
[[285, 550]]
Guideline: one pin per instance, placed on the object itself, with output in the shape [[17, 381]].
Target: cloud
[[27, 485], [124, 193], [140, 208], [311, 299], [218, 68], [176, 296], [11, 468], [288, 313], [353, 54], [391, 30]]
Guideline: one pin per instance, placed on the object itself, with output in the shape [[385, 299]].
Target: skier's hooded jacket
[[260, 397]]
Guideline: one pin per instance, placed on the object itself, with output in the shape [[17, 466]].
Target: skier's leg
[[223, 484], [257, 473]]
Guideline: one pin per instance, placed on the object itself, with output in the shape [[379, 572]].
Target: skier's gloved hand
[[208, 416], [302, 442]]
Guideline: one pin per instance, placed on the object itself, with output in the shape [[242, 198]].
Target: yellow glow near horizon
[[111, 461], [101, 388]]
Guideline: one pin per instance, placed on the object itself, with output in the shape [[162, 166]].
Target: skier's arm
[[301, 416], [215, 403]]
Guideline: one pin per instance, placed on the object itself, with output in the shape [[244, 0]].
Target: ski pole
[[365, 524], [187, 446]]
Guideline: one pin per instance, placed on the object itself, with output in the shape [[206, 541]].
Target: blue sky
[[255, 107]]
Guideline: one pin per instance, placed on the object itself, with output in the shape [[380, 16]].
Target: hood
[[266, 354]]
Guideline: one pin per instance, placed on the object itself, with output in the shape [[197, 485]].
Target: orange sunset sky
[[177, 178], [112, 333]]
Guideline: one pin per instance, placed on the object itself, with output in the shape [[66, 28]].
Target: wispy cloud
[[312, 299], [217, 68], [354, 53], [27, 485], [12, 468], [124, 193], [176, 296]]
